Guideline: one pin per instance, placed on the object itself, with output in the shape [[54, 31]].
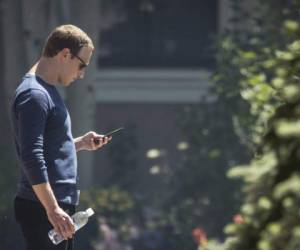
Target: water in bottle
[[79, 219]]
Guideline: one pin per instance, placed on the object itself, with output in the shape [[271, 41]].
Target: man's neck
[[46, 69]]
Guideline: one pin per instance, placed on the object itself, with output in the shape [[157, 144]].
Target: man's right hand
[[61, 222]]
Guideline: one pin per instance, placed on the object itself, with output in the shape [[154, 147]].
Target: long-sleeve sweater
[[43, 140]]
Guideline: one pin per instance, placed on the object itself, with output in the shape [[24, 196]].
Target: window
[[157, 33]]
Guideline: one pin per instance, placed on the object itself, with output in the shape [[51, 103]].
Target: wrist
[[51, 208], [78, 143]]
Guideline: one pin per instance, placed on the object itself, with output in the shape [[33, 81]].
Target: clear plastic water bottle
[[79, 219]]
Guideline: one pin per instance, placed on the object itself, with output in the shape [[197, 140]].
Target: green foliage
[[111, 203], [246, 62], [271, 181]]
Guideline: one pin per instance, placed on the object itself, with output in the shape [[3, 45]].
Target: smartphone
[[96, 141], [114, 131]]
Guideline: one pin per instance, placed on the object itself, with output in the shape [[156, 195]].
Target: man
[[47, 192]]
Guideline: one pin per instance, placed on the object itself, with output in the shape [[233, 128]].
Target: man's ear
[[64, 53]]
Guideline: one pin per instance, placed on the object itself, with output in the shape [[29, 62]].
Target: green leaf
[[286, 128], [291, 26]]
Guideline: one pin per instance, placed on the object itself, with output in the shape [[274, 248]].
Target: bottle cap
[[89, 212]]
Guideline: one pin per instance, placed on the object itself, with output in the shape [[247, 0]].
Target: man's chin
[[66, 83], [70, 82]]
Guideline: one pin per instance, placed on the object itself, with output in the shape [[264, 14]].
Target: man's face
[[75, 66]]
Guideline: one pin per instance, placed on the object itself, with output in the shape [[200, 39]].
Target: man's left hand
[[91, 141]]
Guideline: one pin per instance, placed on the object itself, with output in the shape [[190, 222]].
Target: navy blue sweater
[[44, 141]]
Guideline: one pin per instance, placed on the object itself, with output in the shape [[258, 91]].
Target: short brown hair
[[66, 36]]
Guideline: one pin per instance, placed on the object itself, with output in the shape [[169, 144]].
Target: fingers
[[62, 223], [68, 228], [93, 141], [100, 140], [65, 228]]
